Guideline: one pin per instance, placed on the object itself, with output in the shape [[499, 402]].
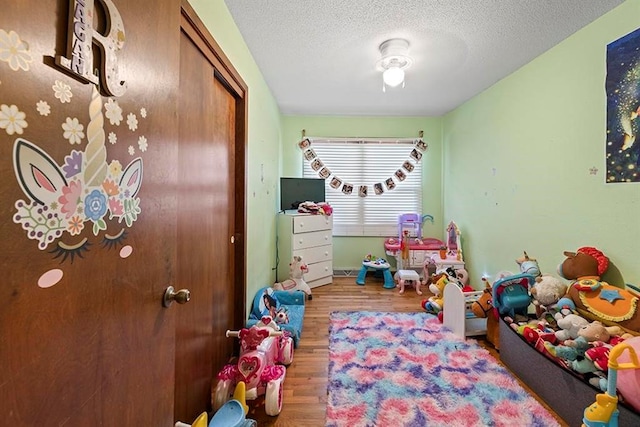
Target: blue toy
[[511, 294]]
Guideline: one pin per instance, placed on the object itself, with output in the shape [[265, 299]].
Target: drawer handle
[[301, 224], [300, 241], [326, 253]]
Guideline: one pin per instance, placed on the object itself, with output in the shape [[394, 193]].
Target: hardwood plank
[[305, 388]]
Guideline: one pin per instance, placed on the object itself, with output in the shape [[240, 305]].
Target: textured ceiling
[[318, 56]]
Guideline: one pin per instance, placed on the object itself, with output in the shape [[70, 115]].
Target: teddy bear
[[546, 292], [570, 324]]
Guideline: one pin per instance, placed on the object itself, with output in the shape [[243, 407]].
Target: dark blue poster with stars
[[623, 109]]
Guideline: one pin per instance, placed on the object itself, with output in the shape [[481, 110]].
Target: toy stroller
[[604, 411]]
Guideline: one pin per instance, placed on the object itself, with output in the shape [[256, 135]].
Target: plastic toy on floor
[[604, 411], [295, 282], [232, 414], [263, 351]]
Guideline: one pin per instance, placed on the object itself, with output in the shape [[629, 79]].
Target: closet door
[[209, 237]]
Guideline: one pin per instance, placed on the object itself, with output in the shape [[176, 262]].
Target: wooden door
[[88, 216], [210, 196]]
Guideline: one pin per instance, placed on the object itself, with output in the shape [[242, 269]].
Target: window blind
[[365, 162]]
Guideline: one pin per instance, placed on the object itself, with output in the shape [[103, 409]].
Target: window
[[368, 163]]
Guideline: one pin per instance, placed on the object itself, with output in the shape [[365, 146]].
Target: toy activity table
[[378, 264]]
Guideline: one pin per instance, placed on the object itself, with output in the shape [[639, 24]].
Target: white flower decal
[[12, 119], [132, 122], [62, 91], [132, 150], [142, 143], [143, 112], [112, 138], [14, 51], [73, 130], [43, 108], [113, 112]]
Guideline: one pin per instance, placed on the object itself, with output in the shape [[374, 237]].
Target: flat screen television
[[294, 191]]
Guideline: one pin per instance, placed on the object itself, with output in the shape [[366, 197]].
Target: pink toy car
[[262, 348]]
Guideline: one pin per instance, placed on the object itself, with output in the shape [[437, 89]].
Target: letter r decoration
[[80, 39]]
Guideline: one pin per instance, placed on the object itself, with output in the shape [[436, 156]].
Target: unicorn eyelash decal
[[70, 251]]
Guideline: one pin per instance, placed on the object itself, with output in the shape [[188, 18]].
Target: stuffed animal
[[435, 304], [546, 292], [569, 325], [428, 270], [595, 298], [483, 307], [528, 265], [296, 282], [461, 277]]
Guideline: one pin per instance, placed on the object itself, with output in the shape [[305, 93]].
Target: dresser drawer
[[310, 240], [315, 254], [318, 270], [307, 223]]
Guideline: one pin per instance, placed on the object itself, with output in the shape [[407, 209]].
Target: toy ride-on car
[[264, 348]]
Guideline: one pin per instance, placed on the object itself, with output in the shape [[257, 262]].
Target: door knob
[[170, 295]]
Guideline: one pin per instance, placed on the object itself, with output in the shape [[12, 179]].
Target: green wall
[[349, 251], [517, 162], [511, 166], [263, 151]]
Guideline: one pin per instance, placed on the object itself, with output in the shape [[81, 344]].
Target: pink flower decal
[[70, 199]]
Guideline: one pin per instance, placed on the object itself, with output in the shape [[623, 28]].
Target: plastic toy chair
[[231, 414]]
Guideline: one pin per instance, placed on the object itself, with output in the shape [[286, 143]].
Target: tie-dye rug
[[406, 369]]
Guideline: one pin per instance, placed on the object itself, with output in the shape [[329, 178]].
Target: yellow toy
[[604, 411], [435, 304]]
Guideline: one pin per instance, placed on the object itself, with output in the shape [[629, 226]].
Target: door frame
[[226, 73]]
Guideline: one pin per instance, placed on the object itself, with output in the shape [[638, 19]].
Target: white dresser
[[309, 236]]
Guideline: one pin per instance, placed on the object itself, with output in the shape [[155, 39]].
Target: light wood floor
[[305, 387]]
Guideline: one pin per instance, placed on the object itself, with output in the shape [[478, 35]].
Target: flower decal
[[43, 108], [73, 130], [131, 150], [62, 91], [113, 112], [71, 195], [132, 122], [72, 164], [12, 120], [142, 143], [143, 113], [95, 207], [14, 51], [76, 225], [115, 168], [113, 138]]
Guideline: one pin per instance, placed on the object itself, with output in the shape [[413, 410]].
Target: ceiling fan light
[[393, 76]]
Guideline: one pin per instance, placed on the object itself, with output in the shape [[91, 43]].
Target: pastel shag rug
[[406, 369]]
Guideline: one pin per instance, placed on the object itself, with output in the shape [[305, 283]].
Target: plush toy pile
[[577, 324]]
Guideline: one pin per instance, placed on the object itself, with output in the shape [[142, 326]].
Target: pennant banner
[[414, 156]]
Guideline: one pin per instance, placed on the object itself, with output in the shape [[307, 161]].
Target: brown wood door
[[84, 339], [208, 192]]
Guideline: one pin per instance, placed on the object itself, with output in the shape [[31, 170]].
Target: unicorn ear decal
[[38, 175], [132, 177], [61, 199]]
